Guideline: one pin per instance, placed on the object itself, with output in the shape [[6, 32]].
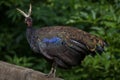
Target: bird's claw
[[50, 75]]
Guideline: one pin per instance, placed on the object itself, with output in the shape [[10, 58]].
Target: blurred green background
[[98, 17]]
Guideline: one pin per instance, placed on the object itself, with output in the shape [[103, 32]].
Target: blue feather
[[56, 40]]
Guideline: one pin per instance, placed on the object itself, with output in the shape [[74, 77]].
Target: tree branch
[[13, 72]]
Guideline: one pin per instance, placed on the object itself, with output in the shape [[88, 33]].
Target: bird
[[64, 46]]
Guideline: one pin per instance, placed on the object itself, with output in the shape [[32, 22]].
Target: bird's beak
[[24, 14]]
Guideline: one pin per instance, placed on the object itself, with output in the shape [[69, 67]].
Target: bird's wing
[[78, 37], [68, 53], [70, 45]]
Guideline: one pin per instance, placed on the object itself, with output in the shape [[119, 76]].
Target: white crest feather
[[24, 14]]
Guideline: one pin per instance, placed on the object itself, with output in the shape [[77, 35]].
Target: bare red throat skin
[[29, 24]]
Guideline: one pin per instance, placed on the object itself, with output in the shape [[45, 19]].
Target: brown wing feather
[[68, 33]]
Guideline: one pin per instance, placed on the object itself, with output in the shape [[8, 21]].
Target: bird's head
[[28, 19]]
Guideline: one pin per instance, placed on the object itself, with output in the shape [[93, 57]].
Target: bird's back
[[71, 33]]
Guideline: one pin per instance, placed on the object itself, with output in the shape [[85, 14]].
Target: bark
[[12, 72]]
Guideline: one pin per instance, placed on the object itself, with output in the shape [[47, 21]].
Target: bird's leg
[[53, 70]]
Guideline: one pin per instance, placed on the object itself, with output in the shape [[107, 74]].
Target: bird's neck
[[30, 29], [30, 33], [29, 24]]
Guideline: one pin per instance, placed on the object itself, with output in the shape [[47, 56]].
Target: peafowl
[[64, 46]]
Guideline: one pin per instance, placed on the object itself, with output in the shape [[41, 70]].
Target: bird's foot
[[51, 74]]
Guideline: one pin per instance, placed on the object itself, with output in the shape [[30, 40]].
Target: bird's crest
[[28, 19], [24, 14]]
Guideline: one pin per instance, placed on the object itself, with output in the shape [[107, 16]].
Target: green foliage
[[99, 17]]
